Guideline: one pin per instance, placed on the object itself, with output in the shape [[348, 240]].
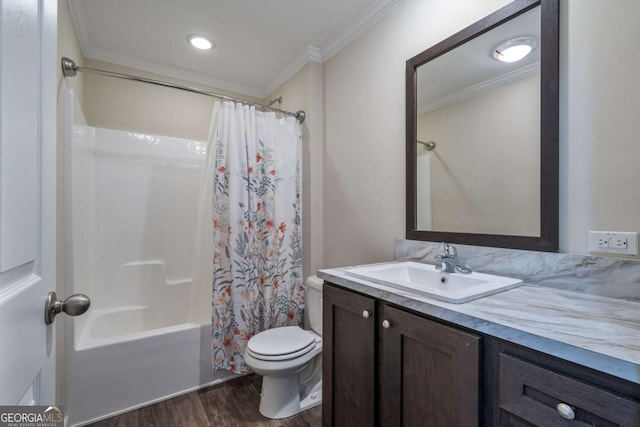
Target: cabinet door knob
[[386, 324], [365, 314], [565, 411]]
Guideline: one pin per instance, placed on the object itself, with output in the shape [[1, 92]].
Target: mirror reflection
[[478, 135]]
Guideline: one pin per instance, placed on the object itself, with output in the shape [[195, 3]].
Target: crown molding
[[477, 89], [309, 53], [314, 53], [373, 14]]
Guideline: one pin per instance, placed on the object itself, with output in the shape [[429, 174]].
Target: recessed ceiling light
[[200, 41], [515, 49]]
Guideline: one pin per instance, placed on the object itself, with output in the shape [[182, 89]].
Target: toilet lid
[[281, 343]]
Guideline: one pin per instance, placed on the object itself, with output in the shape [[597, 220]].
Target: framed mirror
[[482, 132]]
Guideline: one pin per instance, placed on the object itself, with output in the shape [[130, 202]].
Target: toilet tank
[[313, 288]]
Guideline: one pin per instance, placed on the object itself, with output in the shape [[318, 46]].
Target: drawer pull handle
[[565, 411], [386, 324], [365, 314]]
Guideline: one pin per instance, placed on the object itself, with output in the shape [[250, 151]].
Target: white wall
[[364, 173], [303, 91]]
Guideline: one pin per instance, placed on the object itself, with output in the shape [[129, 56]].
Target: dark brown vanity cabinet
[[429, 373], [530, 393], [348, 358], [385, 366]]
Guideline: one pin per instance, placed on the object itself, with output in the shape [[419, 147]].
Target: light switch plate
[[614, 242]]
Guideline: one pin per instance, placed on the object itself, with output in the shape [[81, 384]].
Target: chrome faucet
[[449, 262]]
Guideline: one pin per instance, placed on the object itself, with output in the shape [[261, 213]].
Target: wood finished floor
[[230, 404]]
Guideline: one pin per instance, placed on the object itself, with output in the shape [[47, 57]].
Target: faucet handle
[[450, 250]]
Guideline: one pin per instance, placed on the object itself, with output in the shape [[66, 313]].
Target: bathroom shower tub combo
[[131, 203]]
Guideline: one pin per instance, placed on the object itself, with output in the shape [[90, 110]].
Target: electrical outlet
[[619, 242], [604, 242], [614, 242]]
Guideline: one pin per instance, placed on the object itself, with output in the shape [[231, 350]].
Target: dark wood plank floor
[[230, 404]]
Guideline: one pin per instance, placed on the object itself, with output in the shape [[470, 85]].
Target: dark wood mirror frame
[[549, 130]]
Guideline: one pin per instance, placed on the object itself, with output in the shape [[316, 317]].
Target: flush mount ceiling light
[[200, 41], [515, 49]]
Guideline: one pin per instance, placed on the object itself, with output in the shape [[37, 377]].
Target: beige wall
[[68, 46], [139, 107], [364, 181], [600, 105], [486, 165], [303, 91]]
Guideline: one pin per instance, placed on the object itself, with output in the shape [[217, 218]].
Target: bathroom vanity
[[392, 359]]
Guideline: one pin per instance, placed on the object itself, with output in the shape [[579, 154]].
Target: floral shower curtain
[[257, 255]]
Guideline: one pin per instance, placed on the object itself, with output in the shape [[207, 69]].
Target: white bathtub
[[130, 213], [109, 373], [126, 357]]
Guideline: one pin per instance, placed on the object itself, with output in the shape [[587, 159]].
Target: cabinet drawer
[[531, 394]]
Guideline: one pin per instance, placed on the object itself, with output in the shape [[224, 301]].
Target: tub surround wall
[[600, 276], [130, 213], [127, 191]]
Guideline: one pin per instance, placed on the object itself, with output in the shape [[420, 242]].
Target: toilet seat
[[279, 344]]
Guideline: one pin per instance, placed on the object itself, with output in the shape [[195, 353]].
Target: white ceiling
[[259, 43]]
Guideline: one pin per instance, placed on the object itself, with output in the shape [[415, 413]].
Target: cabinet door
[[348, 357], [429, 372]]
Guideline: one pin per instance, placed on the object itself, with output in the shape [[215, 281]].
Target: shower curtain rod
[[70, 69], [429, 145]]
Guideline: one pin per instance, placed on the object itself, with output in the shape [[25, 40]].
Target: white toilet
[[290, 360]]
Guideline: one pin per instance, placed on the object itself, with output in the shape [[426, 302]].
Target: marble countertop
[[597, 332]]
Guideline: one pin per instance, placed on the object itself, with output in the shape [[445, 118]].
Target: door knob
[[75, 305], [386, 324], [365, 314]]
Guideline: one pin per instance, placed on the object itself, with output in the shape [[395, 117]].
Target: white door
[[28, 65]]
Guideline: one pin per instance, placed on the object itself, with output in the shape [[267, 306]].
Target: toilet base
[[280, 397]]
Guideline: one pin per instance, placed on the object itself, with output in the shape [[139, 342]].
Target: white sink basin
[[424, 279]]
